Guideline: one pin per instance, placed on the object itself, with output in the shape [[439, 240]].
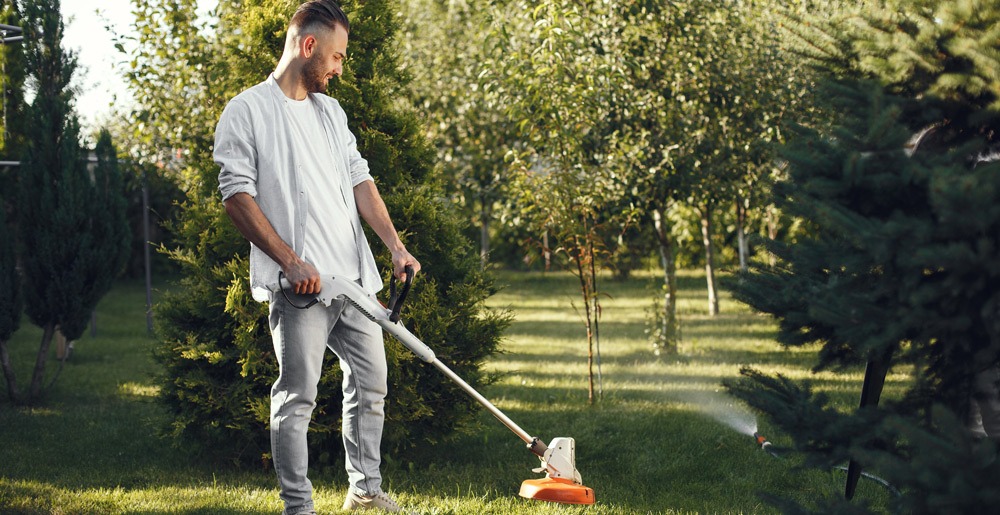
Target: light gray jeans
[[985, 407], [301, 336]]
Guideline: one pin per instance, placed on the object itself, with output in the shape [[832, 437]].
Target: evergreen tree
[[216, 347], [900, 266], [10, 310], [109, 223], [69, 220], [12, 84]]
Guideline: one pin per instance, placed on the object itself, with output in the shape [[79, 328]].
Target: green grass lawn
[[663, 439]]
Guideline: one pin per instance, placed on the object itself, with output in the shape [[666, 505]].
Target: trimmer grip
[[396, 300]]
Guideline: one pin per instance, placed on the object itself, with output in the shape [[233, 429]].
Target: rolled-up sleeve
[[235, 151], [358, 165]]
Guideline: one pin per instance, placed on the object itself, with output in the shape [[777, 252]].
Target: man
[[294, 184]]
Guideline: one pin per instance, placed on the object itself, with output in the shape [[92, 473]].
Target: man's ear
[[308, 45]]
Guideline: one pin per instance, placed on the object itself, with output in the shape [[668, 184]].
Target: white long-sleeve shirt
[[253, 149]]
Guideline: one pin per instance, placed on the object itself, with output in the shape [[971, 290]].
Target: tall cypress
[[112, 235], [65, 212], [10, 310], [12, 84]]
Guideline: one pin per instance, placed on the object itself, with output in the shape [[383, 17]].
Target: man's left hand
[[402, 259]]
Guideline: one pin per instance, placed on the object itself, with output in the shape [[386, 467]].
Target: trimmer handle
[[396, 300]]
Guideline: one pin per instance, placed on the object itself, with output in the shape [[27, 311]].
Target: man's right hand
[[251, 222], [304, 277]]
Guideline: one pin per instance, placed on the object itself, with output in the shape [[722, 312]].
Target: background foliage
[[645, 159]]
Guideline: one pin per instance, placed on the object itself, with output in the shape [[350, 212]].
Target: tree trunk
[[590, 360], [8, 373], [741, 237], [545, 250], [596, 311], [871, 391], [772, 233], [39, 374], [670, 330], [484, 234], [62, 345], [146, 244], [586, 291], [706, 236]]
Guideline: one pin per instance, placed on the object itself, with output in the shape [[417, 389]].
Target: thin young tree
[[556, 67]]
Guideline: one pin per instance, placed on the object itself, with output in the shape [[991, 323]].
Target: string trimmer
[[562, 482]]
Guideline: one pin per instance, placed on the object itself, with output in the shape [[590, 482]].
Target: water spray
[[724, 411], [744, 422]]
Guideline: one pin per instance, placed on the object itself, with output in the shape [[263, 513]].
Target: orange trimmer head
[[556, 489], [562, 482]]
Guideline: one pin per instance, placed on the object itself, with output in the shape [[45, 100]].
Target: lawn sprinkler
[[764, 444], [562, 482], [745, 423]]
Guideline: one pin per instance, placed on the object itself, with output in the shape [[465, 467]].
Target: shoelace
[[388, 500]]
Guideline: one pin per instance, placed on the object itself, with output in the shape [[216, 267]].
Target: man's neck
[[290, 82]]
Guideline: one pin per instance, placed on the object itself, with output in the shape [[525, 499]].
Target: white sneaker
[[380, 501]]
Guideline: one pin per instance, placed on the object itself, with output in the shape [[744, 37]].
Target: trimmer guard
[[562, 482], [555, 489]]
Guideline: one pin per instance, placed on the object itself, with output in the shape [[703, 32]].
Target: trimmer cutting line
[[562, 482]]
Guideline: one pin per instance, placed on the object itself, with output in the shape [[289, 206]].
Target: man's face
[[325, 60]]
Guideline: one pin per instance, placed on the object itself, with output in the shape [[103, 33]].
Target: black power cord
[[289, 301]]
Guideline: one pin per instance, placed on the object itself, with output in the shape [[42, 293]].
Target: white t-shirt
[[330, 242]]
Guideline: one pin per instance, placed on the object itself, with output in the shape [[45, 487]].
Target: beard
[[313, 78]]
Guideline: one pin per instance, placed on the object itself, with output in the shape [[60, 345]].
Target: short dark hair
[[324, 12]]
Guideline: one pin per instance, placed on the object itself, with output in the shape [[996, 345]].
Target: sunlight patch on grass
[[41, 411], [48, 498], [550, 315], [132, 389]]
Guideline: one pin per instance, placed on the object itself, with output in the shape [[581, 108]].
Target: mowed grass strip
[[663, 438]]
